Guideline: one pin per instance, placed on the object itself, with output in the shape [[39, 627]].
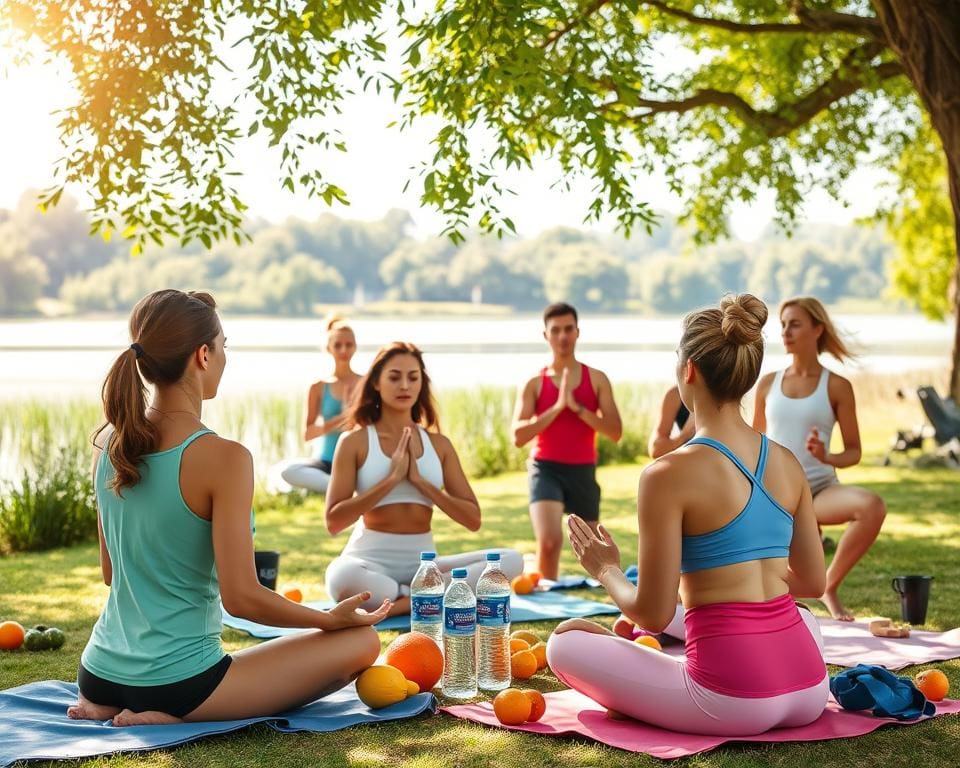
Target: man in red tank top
[[561, 409]]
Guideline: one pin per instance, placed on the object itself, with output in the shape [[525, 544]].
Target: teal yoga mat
[[540, 606]]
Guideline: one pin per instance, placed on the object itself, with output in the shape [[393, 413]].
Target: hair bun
[[743, 318], [335, 322]]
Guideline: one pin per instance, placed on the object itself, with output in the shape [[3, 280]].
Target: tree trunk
[[925, 35]]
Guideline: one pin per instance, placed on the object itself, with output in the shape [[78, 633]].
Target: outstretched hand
[[348, 613], [595, 553]]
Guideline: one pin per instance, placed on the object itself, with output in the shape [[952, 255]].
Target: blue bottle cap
[[459, 573], [493, 557], [428, 555]]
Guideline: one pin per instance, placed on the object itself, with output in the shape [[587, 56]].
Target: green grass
[[922, 534]]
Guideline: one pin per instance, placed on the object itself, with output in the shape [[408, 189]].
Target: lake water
[[69, 358]]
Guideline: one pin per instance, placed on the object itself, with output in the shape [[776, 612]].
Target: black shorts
[[177, 699], [573, 484]]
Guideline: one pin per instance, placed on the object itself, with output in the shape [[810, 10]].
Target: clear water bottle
[[459, 638], [426, 599], [493, 627]]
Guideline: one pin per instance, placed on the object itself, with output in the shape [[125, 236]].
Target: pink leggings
[[656, 688]]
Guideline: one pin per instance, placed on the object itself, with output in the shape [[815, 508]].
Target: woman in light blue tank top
[[175, 540], [326, 402], [798, 408]]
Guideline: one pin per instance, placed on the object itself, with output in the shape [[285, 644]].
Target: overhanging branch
[[852, 74]]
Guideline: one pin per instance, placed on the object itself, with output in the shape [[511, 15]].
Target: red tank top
[[568, 439]]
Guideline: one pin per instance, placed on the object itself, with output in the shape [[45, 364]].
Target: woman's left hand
[[595, 553], [413, 471], [815, 446], [348, 613]]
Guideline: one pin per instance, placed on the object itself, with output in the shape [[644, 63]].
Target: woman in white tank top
[[798, 407], [388, 475]]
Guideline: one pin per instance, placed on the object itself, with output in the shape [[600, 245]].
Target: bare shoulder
[[765, 382], [838, 385], [228, 454], [353, 440], [598, 377]]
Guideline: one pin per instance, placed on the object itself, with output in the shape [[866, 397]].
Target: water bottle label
[[427, 608], [493, 611], [459, 621]]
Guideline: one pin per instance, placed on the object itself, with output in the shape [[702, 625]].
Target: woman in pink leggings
[[727, 522]]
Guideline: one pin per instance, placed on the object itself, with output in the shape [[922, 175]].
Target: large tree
[[725, 98]]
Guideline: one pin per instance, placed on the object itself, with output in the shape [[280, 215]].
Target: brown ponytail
[[166, 328]]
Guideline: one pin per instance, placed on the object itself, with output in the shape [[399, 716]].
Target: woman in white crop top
[[798, 407], [388, 475]]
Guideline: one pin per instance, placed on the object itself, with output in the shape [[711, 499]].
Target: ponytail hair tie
[[137, 350]]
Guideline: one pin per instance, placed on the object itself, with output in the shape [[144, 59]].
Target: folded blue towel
[[34, 723], [568, 582], [867, 686], [539, 606]]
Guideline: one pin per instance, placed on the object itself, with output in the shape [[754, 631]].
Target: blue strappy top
[[762, 530]]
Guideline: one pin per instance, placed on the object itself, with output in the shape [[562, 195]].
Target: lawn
[[922, 535]]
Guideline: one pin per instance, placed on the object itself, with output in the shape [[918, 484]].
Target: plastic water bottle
[[493, 627], [459, 638], [426, 599]]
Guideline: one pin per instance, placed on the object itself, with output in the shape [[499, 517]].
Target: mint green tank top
[[162, 620]]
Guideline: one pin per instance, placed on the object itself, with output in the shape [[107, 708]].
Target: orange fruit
[[531, 638], [522, 584], [11, 635], [293, 594], [523, 664], [535, 577], [650, 641], [418, 657], [538, 705], [933, 684], [516, 644], [511, 706], [540, 651]]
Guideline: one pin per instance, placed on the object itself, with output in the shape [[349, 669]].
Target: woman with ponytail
[[325, 410], [173, 502], [798, 407], [726, 520]]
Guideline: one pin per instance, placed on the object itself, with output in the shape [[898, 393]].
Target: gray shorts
[[573, 484]]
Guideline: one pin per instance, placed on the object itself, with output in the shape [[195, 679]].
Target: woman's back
[[162, 621], [737, 525]]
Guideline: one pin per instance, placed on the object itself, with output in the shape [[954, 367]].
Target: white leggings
[[306, 473], [385, 563], [656, 688]]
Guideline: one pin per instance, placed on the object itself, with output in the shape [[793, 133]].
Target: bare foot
[[127, 718], [836, 608], [581, 624], [400, 607], [623, 627], [87, 710]]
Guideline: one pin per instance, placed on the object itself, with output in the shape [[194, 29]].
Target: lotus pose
[[798, 407], [325, 406], [726, 520], [388, 474], [175, 539]]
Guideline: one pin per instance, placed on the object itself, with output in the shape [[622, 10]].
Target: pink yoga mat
[[572, 713], [848, 643]]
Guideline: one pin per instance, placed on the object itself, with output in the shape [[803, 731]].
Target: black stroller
[[944, 417]]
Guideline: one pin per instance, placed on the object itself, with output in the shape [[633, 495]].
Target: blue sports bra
[[762, 530]]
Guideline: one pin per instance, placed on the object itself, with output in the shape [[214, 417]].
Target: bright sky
[[374, 171]]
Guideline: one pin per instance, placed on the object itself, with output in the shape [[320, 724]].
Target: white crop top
[[377, 464]]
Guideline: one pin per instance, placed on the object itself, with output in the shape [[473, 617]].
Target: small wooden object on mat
[[886, 628]]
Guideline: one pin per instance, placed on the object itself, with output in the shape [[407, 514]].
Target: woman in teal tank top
[[175, 541], [326, 402]]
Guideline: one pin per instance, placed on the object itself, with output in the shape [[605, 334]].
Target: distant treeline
[[289, 268]]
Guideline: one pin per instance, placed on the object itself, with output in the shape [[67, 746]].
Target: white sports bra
[[377, 464]]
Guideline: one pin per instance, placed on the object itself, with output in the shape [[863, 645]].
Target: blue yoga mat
[[540, 606], [34, 723]]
